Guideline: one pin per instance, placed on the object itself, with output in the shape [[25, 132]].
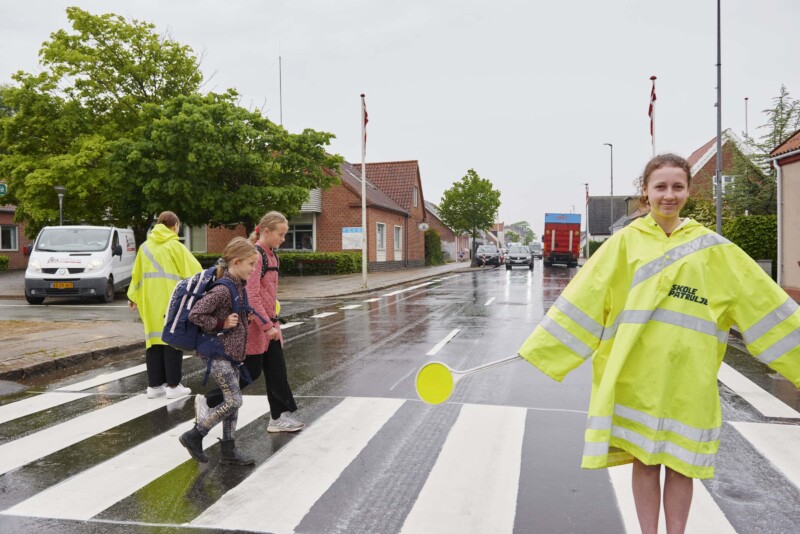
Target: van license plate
[[61, 285]]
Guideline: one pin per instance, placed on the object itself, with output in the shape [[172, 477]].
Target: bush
[[757, 235], [433, 248], [344, 262], [3, 263]]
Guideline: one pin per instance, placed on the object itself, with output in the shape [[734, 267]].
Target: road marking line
[[705, 515], [777, 443], [489, 301], [39, 444], [291, 324], [372, 300], [306, 468], [350, 307], [323, 314], [36, 403], [473, 486], [443, 342], [401, 379], [108, 377], [94, 490], [758, 397], [393, 293]]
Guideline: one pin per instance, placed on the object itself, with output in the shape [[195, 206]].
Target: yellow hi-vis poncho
[[162, 262], [654, 312]]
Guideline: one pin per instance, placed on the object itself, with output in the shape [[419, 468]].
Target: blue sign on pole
[[3, 189]]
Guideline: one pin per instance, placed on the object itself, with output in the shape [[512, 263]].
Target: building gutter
[[775, 161]]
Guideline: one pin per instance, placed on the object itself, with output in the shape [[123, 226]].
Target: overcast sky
[[524, 92]]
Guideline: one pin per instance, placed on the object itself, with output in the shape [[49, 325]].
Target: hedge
[[3, 263], [433, 248], [343, 262], [757, 235]]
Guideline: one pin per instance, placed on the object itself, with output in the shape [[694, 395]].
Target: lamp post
[[60, 189], [611, 228], [586, 185]]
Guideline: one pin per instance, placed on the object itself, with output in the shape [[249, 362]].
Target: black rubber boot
[[230, 456], [193, 441]]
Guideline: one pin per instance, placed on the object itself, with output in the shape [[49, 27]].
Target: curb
[[67, 361]]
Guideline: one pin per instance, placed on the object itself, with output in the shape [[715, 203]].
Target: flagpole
[[363, 191], [653, 114]]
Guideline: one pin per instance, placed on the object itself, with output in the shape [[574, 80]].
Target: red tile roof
[[697, 154], [351, 178], [791, 144], [395, 178]]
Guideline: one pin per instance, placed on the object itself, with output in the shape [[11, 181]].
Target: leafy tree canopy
[[470, 205], [754, 188], [116, 117]]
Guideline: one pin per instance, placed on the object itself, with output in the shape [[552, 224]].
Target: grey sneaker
[[200, 408], [284, 423]]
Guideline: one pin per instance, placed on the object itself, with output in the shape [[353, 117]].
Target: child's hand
[[231, 321], [273, 334]]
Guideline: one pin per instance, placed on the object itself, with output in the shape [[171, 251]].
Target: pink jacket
[[262, 294]]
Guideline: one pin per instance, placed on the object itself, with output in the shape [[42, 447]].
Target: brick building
[[12, 239], [786, 159], [703, 164], [451, 243]]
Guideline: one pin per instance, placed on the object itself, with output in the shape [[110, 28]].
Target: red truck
[[562, 238]]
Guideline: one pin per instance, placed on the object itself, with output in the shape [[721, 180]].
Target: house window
[[380, 236], [198, 238], [727, 183], [398, 238], [299, 237], [8, 237], [416, 196]]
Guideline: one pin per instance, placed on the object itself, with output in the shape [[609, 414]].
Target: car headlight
[[94, 264], [34, 265]]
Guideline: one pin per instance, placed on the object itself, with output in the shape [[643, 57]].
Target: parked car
[[82, 261], [519, 256], [488, 255], [536, 250]]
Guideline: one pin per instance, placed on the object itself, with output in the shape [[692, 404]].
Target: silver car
[[519, 256]]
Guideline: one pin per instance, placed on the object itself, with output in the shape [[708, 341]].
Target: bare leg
[[677, 500], [646, 483]]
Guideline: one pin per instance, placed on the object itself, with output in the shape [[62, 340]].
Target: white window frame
[[14, 236], [398, 238], [380, 236], [727, 182], [416, 196]]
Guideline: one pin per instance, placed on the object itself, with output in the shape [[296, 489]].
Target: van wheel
[[530, 266], [108, 296], [34, 300]]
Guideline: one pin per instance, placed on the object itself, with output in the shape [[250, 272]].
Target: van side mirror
[[116, 250]]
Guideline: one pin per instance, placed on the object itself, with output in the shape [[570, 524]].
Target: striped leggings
[[227, 378]]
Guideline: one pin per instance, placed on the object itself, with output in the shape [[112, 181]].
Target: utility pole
[[719, 121]]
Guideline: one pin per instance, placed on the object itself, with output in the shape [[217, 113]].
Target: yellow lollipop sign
[[436, 380]]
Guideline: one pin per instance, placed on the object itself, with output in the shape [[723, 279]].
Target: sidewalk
[[31, 348]]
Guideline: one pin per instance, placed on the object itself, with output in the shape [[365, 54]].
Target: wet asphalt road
[[373, 458]]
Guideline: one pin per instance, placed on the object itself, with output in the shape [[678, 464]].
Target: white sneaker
[[284, 423], [200, 408], [178, 391], [157, 391]]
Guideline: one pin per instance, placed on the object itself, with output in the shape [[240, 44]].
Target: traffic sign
[[3, 189]]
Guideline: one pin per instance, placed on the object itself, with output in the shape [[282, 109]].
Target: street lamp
[[60, 189], [611, 228]]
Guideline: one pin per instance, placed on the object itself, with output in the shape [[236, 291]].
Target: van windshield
[[73, 239]]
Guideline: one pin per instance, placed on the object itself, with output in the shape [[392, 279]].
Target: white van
[[82, 261]]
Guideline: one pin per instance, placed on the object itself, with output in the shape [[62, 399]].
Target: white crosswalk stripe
[[86, 495], [36, 403]]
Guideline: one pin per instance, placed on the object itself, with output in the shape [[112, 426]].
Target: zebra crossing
[[382, 463], [473, 482]]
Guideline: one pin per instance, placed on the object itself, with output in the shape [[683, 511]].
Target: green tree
[[528, 235], [218, 162], [116, 117], [754, 189], [470, 206], [93, 85], [512, 237]]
